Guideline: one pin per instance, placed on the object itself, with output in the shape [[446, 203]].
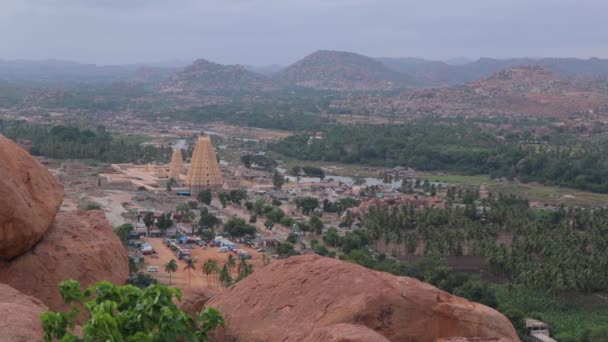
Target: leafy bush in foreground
[[126, 313]]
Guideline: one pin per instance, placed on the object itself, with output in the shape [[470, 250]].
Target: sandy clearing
[[197, 278]]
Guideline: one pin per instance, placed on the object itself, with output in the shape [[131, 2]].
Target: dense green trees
[[205, 196], [460, 146], [236, 226], [262, 161], [208, 220], [68, 142], [164, 222], [307, 204], [126, 313], [557, 250]]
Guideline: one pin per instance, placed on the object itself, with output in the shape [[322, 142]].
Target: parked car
[[152, 269], [261, 250], [223, 250]]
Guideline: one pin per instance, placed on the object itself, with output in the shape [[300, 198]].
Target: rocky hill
[[520, 90], [343, 71], [313, 298], [437, 73], [207, 77]]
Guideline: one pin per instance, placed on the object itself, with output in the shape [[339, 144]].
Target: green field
[[567, 315], [553, 195]]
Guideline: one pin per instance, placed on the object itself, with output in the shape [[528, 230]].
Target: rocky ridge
[[521, 90], [314, 298]]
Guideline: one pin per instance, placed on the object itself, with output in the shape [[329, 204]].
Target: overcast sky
[[281, 31]]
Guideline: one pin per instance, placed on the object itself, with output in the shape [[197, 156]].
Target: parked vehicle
[[152, 269], [223, 250]]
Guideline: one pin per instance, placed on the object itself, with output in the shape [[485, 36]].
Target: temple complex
[[204, 171]]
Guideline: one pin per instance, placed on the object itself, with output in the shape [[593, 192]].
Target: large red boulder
[[80, 245], [20, 316], [29, 199], [289, 300]]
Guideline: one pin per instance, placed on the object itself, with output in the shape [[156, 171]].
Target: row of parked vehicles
[[241, 253], [144, 247], [181, 247]]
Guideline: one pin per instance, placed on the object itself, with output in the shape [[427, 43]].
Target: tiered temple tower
[[177, 164], [204, 171]]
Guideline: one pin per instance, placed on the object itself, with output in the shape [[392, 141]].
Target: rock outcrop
[[343, 332], [80, 245], [310, 296], [29, 200], [19, 316], [194, 300]]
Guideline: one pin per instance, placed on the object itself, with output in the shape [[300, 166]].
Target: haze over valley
[[338, 170]]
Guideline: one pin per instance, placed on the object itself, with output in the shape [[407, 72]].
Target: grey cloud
[[280, 31]]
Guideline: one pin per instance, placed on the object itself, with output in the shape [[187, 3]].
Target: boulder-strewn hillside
[[40, 247], [207, 77], [437, 73], [312, 298], [530, 90], [343, 71]]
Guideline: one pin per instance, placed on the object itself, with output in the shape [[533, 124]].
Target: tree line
[[459, 146], [70, 142]]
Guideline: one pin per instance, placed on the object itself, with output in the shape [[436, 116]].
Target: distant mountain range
[[322, 70]]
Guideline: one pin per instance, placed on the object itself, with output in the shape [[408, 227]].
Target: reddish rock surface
[[29, 199], [290, 299], [19, 316], [79, 245], [344, 332], [194, 300]]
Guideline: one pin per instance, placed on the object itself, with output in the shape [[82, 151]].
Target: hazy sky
[[281, 31]]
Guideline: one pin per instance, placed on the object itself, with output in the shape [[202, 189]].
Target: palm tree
[[231, 263], [190, 266], [225, 277], [210, 267], [171, 267], [244, 269], [215, 269], [207, 270]]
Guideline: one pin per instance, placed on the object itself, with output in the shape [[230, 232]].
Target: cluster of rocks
[[40, 246]]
